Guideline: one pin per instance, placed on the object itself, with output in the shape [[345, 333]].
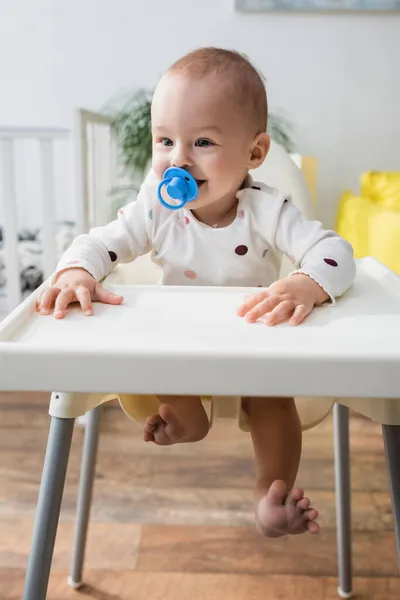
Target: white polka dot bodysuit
[[247, 253]]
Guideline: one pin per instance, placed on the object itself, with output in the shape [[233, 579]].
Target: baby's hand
[[290, 299], [74, 285]]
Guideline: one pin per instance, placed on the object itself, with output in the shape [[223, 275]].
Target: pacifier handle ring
[[182, 174], [166, 204]]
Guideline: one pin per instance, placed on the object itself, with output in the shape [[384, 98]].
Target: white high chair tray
[[189, 340]]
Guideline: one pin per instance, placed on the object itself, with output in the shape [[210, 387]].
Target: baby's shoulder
[[261, 200]]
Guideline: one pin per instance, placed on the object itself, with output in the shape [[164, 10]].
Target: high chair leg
[[48, 508], [343, 498], [391, 438], [87, 474]]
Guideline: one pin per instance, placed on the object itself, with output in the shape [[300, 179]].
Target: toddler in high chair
[[209, 117]]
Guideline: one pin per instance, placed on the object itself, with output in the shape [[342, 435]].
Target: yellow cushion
[[382, 188], [371, 221], [384, 238], [352, 222]]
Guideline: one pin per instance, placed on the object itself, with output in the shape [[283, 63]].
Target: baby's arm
[[321, 254], [91, 257], [120, 241], [326, 269]]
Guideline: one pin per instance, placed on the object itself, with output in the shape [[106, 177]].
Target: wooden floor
[[173, 523]]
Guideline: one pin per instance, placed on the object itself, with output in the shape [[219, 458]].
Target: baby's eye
[[203, 143], [166, 142]]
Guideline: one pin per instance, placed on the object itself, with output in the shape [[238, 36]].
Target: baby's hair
[[248, 82]]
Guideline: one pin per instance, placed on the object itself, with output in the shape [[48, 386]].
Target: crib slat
[[10, 226], [48, 207], [82, 172], [113, 153], [92, 174], [99, 176], [36, 133]]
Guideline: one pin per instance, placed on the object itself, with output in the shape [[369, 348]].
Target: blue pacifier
[[179, 185]]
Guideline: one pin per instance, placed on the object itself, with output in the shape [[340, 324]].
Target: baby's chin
[[196, 204]]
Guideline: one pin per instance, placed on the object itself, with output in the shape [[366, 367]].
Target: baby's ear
[[259, 150]]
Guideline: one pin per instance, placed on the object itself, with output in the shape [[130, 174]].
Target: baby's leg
[[180, 419], [276, 433]]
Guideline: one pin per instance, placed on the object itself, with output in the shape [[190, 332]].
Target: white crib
[[58, 183]]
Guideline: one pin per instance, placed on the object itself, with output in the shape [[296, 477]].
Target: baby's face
[[197, 125]]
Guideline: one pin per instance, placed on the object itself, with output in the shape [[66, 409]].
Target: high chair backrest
[[278, 170]]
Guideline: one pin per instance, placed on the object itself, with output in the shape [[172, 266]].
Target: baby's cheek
[[159, 166], [233, 171], [224, 179]]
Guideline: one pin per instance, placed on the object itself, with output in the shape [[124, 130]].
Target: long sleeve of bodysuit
[[321, 254], [120, 241]]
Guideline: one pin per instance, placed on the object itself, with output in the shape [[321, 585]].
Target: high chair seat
[[139, 407]]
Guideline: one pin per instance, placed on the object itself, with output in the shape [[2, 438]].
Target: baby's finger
[[85, 299], [282, 312], [104, 295], [47, 300], [263, 308], [299, 314], [251, 302], [67, 296]]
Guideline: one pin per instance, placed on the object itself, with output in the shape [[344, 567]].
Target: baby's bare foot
[[184, 422], [280, 513]]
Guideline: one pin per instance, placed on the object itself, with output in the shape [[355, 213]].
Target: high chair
[[90, 360]]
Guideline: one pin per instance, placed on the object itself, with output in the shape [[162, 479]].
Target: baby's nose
[[180, 164], [181, 157]]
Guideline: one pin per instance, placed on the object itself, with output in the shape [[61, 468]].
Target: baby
[[209, 116]]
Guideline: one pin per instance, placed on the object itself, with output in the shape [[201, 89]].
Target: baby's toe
[[312, 527], [152, 423], [303, 504], [277, 494], [148, 436], [311, 514], [294, 497], [149, 428], [153, 420]]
